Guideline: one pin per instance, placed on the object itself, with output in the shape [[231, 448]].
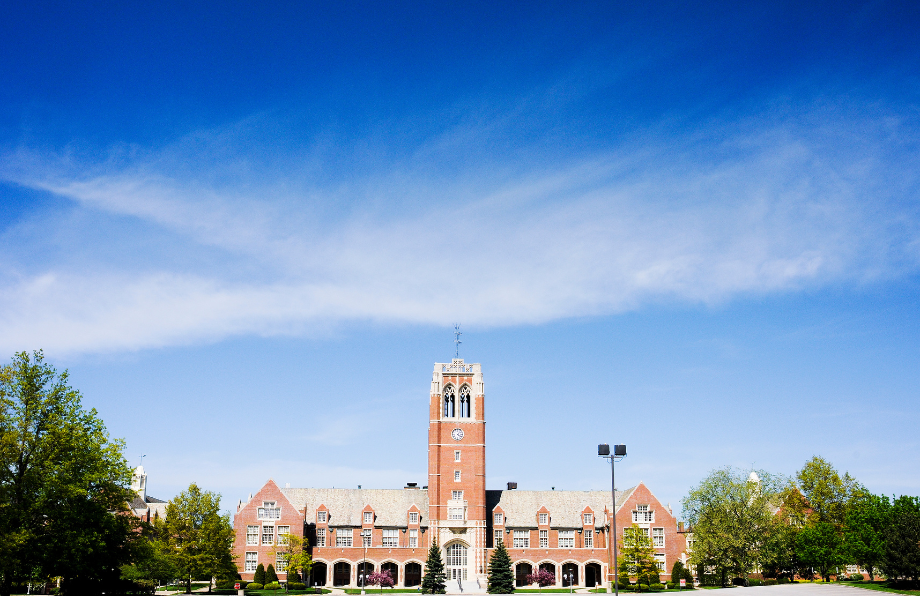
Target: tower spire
[[457, 341]]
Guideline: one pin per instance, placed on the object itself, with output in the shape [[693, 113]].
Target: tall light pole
[[619, 452]]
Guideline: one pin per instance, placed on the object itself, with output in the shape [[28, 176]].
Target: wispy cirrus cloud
[[703, 217]]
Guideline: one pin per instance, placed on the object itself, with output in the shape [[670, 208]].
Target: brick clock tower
[[457, 470]]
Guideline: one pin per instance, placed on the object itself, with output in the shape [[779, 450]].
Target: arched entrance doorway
[[592, 575], [318, 574], [550, 568], [569, 575], [393, 569], [456, 562], [413, 574], [364, 570], [521, 571], [341, 574]]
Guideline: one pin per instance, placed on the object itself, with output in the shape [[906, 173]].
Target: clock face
[[456, 434]]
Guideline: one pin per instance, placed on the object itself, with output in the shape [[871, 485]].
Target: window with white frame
[[321, 537], [544, 538], [456, 475], [588, 518], [343, 537], [366, 537], [644, 532], [521, 539], [499, 536], [283, 533], [413, 517], [544, 519], [390, 538], [456, 495], [252, 562], [268, 534], [320, 517], [457, 455], [499, 519], [368, 517], [413, 538], [269, 511], [660, 562], [455, 513], [658, 537], [642, 515], [566, 538], [252, 535], [281, 562], [589, 538]]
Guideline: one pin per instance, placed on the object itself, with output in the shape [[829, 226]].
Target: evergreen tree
[[259, 576], [501, 576], [434, 582], [270, 575]]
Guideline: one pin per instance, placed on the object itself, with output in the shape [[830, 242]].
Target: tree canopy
[[637, 556], [729, 512], [61, 478], [198, 537]]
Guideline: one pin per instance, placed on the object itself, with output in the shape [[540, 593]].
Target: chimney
[[512, 485]]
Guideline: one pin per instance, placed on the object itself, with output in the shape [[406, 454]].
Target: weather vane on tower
[[457, 335]]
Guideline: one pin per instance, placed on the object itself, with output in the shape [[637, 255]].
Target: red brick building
[[358, 531]]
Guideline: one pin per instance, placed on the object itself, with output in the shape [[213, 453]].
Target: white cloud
[[696, 219]]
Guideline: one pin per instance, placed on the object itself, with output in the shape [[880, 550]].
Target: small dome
[[754, 477]]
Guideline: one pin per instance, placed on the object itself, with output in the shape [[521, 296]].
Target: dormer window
[[368, 517], [269, 511], [642, 515], [544, 519], [320, 517], [589, 519], [413, 517]]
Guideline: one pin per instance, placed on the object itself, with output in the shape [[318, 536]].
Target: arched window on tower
[[448, 402], [465, 401]]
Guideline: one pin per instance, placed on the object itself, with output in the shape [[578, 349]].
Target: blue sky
[[248, 231]]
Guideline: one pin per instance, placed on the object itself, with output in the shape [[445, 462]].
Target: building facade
[[354, 532]]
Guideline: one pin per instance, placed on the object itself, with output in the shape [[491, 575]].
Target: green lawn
[[177, 588], [879, 587]]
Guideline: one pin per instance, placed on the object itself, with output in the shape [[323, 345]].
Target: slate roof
[[391, 506], [565, 506]]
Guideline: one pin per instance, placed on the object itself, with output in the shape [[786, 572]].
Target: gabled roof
[[565, 506], [391, 506]]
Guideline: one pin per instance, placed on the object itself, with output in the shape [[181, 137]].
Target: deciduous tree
[[902, 539], [828, 494], [637, 556], [382, 579], [198, 537], [820, 546], [541, 577], [729, 513], [61, 477], [864, 531]]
